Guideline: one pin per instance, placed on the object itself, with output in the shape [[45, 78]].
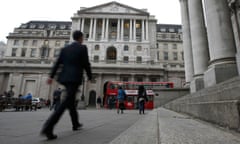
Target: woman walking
[[142, 97], [121, 97]]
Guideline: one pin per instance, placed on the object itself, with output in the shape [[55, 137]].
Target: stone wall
[[218, 104], [163, 96]]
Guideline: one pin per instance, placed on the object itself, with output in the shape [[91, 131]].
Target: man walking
[[73, 59]]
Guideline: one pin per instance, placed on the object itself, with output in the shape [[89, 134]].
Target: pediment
[[114, 7]]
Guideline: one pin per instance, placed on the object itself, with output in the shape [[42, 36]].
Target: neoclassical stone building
[[211, 51], [124, 44], [212, 61]]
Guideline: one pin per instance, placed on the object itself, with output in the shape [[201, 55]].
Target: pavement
[[159, 126], [162, 126]]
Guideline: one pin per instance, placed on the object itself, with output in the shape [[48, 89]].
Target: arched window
[[112, 54]]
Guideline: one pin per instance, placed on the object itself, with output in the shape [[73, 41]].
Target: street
[[100, 126]]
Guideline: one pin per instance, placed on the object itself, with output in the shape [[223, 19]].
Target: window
[[66, 43], [57, 43], [125, 79], [125, 59], [153, 79], [175, 56], [126, 25], [173, 36], [171, 30], [16, 42], [174, 46], [97, 47], [56, 52], [41, 26], [96, 58], [14, 52], [165, 46], [139, 79], [25, 42], [23, 52], [157, 45], [34, 43], [163, 30], [165, 55], [62, 26], [114, 24], [32, 26], [46, 42], [139, 48], [182, 55], [164, 36], [139, 59], [125, 48], [33, 52], [173, 65], [158, 55], [138, 25]]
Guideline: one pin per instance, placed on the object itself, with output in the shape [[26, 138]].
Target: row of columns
[[120, 29], [209, 47]]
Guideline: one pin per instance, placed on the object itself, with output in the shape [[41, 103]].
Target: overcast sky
[[15, 12]]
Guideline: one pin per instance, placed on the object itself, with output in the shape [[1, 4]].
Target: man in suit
[[73, 59]]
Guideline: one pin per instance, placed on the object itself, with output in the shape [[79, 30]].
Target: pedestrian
[[48, 103], [56, 99], [121, 97], [73, 59], [142, 97], [99, 102]]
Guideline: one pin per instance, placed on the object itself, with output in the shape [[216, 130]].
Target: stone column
[[143, 30], [103, 29], [199, 43], [118, 30], [221, 43], [122, 29], [147, 37], [79, 24], [134, 29], [107, 28], [82, 25], [130, 29], [187, 44], [235, 11], [94, 29], [90, 29]]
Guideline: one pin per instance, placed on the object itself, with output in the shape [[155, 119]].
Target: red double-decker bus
[[131, 90]]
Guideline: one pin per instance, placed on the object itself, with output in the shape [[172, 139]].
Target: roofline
[[90, 8]]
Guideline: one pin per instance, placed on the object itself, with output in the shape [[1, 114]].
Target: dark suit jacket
[[74, 59]]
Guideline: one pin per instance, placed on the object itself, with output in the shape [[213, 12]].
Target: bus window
[[130, 98], [150, 98]]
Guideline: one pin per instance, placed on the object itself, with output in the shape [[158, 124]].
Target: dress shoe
[[49, 135], [76, 128]]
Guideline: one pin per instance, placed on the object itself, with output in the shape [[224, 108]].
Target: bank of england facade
[[124, 44]]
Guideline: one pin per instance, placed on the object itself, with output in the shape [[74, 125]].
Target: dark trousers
[[141, 107], [69, 103]]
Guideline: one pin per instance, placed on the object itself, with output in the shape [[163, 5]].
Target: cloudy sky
[[15, 12]]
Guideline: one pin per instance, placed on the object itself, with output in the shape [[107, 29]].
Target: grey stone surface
[[145, 131], [100, 127], [163, 96], [196, 84], [219, 73], [187, 44], [218, 104], [180, 129]]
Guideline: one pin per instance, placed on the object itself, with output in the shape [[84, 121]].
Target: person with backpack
[[121, 97], [142, 97]]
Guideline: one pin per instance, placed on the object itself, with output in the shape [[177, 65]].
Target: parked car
[[37, 102]]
